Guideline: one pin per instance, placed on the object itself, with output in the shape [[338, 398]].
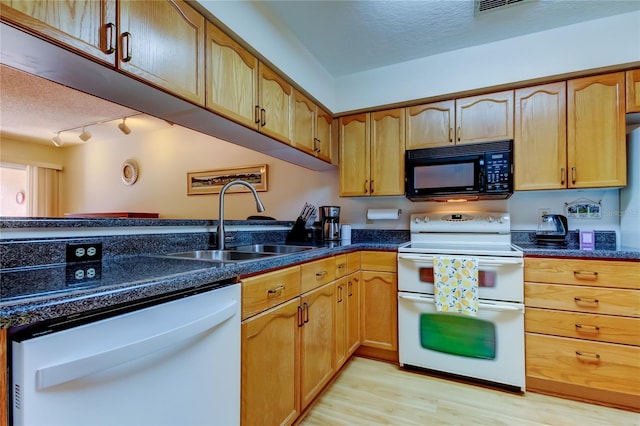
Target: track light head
[[57, 141], [85, 135], [123, 127]]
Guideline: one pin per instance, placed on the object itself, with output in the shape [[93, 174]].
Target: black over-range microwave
[[460, 172]]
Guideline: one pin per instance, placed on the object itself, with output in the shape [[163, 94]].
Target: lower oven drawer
[[596, 365], [489, 346]]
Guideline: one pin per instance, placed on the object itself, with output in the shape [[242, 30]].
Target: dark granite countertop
[[48, 293]]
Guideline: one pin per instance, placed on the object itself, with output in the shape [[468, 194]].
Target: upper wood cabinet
[[87, 27], [311, 127], [540, 140], [372, 149], [596, 133], [275, 97], [633, 90], [162, 42], [474, 119], [232, 78]]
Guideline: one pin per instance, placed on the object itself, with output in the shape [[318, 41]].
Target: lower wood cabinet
[[347, 318], [582, 329]]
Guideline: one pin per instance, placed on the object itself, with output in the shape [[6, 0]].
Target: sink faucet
[[220, 230]]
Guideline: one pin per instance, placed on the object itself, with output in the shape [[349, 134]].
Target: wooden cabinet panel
[[385, 261], [387, 152], [317, 354], [610, 301], [633, 90], [317, 273], [341, 322], [596, 131], [232, 78], [603, 328], [276, 105], [353, 262], [324, 139], [162, 42], [87, 27], [540, 139], [596, 273], [353, 313], [304, 123], [354, 155], [267, 290], [270, 385], [430, 125], [378, 308], [603, 366], [484, 118]]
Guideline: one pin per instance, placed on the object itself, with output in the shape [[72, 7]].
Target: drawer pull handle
[[588, 354], [586, 300], [586, 275], [275, 291], [593, 328], [320, 275], [341, 266]]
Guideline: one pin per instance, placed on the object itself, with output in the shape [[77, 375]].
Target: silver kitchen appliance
[[552, 230], [330, 222]]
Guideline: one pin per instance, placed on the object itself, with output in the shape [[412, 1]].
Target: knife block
[[299, 233]]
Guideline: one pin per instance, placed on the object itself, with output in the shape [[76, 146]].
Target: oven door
[[499, 278], [489, 346]]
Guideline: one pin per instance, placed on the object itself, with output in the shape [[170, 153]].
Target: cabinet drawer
[[595, 273], [384, 261], [316, 273], [609, 301], [603, 328], [264, 291], [605, 366], [353, 262], [341, 265]]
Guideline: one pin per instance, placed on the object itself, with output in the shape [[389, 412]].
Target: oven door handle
[[487, 306], [482, 261]]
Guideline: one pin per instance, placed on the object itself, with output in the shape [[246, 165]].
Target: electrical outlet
[[82, 273], [543, 211], [86, 252]]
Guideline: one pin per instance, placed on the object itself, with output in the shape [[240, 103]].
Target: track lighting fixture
[[85, 135], [123, 127], [57, 141]]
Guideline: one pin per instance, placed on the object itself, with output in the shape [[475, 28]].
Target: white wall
[[629, 211]]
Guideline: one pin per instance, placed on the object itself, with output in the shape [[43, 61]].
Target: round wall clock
[[129, 172]]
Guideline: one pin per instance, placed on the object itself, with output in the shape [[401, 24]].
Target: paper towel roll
[[376, 214], [345, 232]]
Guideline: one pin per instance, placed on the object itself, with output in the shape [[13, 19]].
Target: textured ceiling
[[353, 36]]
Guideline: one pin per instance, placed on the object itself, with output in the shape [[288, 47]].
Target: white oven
[[489, 345]]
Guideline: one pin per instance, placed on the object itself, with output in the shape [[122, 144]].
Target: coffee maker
[[330, 222]]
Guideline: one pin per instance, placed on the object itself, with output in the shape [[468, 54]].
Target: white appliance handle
[[487, 306], [482, 261], [74, 369]]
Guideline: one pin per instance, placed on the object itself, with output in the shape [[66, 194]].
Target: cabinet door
[[232, 78], [353, 313], [596, 132], [540, 140], [162, 43], [276, 105], [318, 336], [304, 129], [270, 366], [323, 135], [633, 90], [387, 152], [430, 125], [378, 308], [341, 322], [485, 118], [354, 155], [84, 26]]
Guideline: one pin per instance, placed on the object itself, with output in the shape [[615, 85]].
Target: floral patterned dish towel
[[456, 284]]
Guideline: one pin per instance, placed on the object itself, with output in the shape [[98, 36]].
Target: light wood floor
[[371, 392]]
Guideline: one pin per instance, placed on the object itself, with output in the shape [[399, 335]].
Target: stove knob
[[490, 219], [417, 219], [425, 219]]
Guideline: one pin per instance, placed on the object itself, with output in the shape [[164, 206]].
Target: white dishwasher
[[172, 363]]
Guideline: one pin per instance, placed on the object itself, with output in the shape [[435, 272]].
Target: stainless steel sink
[[272, 248], [221, 255]]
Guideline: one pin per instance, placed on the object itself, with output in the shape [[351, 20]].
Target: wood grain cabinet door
[[304, 123], [379, 310], [87, 27], [324, 140], [354, 155], [596, 131], [162, 43], [270, 385], [387, 152], [633, 90], [484, 118], [540, 140], [430, 125], [232, 78], [353, 312], [276, 105]]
